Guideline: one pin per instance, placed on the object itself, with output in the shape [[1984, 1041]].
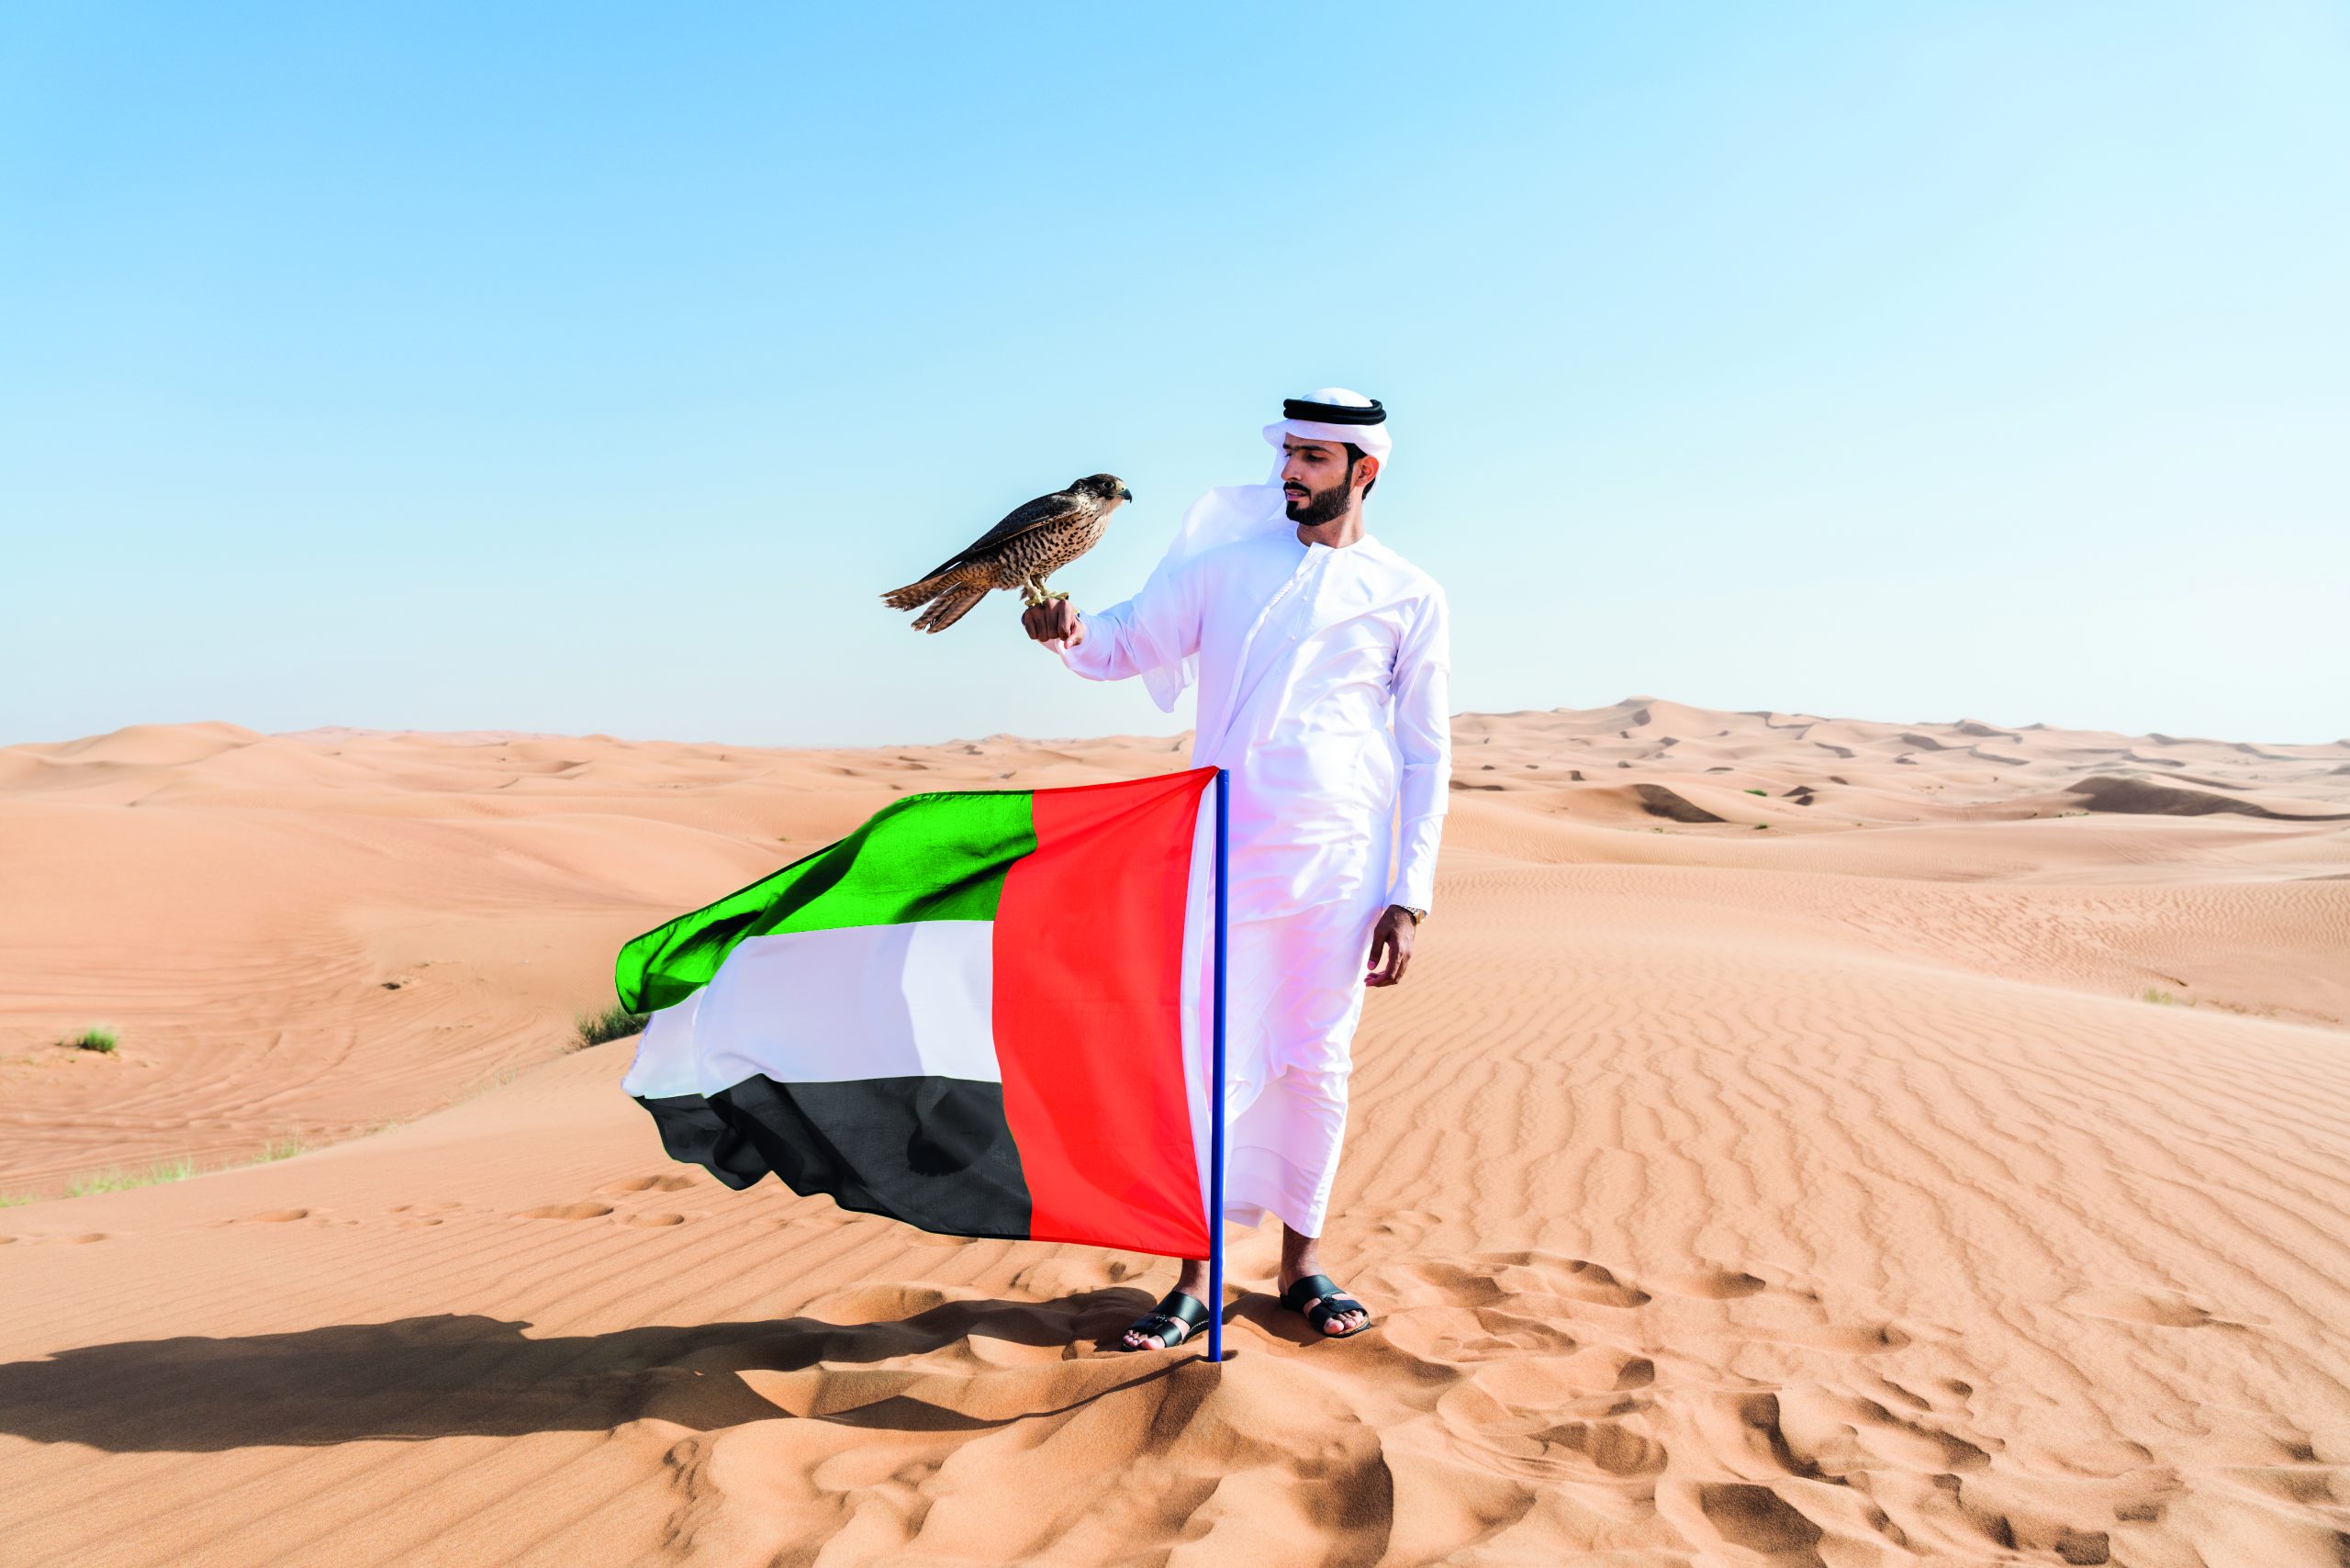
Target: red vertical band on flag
[[1089, 976]]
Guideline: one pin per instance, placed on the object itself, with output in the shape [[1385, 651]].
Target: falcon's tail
[[947, 595]]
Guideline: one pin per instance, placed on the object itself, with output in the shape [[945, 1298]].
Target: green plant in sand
[[614, 1022], [116, 1180]]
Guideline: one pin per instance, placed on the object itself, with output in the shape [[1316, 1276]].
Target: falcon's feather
[[1058, 507], [949, 606]]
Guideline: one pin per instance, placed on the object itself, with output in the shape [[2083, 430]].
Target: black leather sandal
[[1334, 1304], [1175, 1310]]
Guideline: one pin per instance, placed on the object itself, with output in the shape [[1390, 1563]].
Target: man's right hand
[[1054, 619]]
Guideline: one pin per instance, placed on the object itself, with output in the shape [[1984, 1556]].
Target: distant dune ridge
[[1799, 1141]]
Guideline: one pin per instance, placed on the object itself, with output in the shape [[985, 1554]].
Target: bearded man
[[1322, 659]]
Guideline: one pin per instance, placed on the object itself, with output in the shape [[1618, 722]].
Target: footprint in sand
[[2104, 1459], [1887, 1440], [1404, 1229], [1509, 1340], [876, 1303], [1849, 1339], [1056, 1277], [1713, 1284], [1726, 1284], [654, 1220], [1471, 1309], [1560, 1416], [1494, 1278], [1538, 1448], [277, 1216], [1759, 1519], [627, 1184], [2160, 1309], [1585, 1280], [1561, 1382], [567, 1211], [1947, 1397]]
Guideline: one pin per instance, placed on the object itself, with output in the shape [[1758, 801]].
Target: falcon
[[1034, 539]]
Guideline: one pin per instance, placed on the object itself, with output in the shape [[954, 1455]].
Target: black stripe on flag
[[934, 1152]]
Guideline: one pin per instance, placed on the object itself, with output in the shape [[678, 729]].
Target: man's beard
[[1321, 506]]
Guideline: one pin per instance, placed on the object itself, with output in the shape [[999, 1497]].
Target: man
[[1322, 659]]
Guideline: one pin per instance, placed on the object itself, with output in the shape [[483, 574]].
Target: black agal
[[1333, 413]]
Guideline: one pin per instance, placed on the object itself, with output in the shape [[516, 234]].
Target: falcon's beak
[[1124, 494]]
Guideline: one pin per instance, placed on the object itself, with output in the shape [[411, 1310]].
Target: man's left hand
[[1391, 945]]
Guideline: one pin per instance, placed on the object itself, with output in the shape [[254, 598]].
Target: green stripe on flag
[[930, 857]]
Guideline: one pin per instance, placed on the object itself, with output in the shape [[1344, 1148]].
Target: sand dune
[[1801, 1141]]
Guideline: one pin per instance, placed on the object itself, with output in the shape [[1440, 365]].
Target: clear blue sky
[[593, 366]]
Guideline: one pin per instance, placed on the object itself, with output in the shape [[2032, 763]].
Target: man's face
[[1316, 485]]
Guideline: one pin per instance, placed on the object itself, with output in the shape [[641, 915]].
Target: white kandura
[[1323, 678]]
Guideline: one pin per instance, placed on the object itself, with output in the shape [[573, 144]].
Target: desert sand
[[1799, 1141]]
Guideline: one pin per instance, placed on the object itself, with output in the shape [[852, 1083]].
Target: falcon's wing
[[1056, 508]]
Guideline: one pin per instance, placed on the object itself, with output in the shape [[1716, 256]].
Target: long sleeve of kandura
[[1104, 652], [1424, 739], [1159, 625]]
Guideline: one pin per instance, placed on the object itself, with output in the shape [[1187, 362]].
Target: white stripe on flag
[[912, 1000]]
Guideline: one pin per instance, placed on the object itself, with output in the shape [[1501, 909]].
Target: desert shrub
[[614, 1022], [116, 1180]]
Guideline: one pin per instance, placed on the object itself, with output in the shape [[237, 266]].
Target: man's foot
[[1176, 1319], [1325, 1305], [1191, 1287]]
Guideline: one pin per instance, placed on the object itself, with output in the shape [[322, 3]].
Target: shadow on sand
[[452, 1376]]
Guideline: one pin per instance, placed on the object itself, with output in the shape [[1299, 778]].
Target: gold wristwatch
[[1417, 914]]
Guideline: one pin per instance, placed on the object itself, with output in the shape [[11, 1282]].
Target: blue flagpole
[[1216, 1092]]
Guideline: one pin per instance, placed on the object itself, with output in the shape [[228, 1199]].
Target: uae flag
[[984, 1013]]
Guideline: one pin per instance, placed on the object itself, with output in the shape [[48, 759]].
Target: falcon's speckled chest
[[1042, 550]]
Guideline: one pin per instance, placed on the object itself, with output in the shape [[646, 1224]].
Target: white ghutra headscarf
[[1239, 511]]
